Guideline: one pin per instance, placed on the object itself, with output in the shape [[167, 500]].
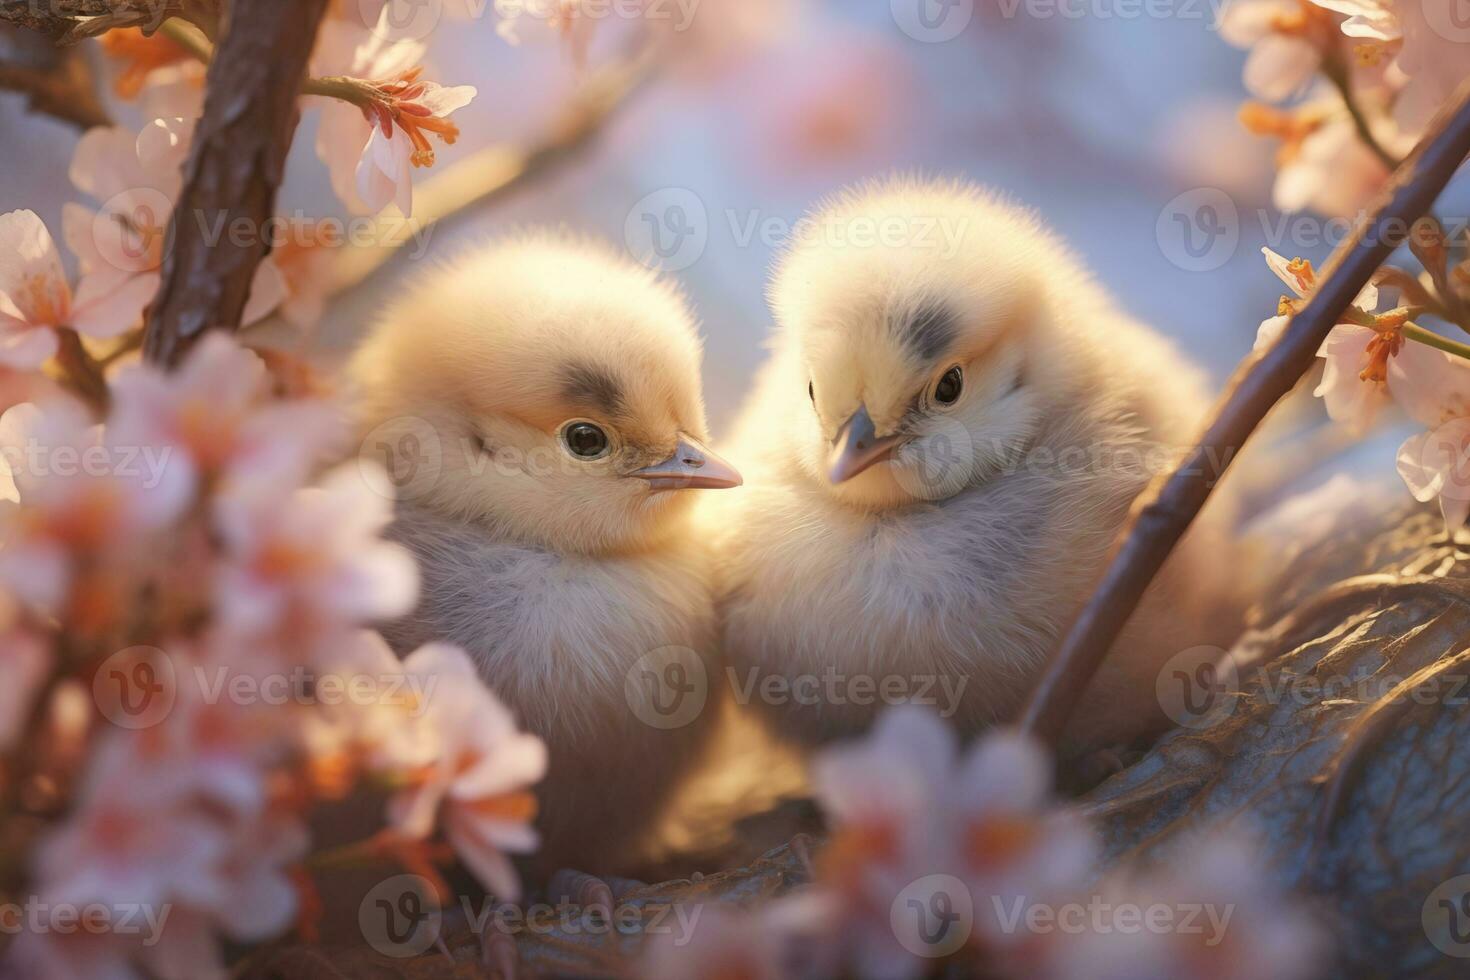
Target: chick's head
[[546, 387], [921, 317]]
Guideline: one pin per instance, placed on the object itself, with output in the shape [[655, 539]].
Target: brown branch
[[1169, 505], [69, 20], [234, 169], [55, 81]]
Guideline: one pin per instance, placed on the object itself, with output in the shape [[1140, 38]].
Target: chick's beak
[[858, 447], [692, 467]]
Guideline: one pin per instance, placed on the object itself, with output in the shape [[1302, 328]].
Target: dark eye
[[811, 392], [585, 440], [947, 392]]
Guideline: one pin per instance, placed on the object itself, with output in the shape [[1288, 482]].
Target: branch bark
[[235, 167], [1165, 510]]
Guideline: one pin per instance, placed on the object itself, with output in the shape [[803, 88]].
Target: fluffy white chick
[[539, 405], [938, 455]]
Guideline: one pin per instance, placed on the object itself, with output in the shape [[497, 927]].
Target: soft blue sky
[[1086, 117]]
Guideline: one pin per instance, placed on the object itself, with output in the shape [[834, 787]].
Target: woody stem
[[343, 87]]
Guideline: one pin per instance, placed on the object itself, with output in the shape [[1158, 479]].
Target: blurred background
[[1099, 114]]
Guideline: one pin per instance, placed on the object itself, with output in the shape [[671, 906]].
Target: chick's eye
[[947, 391], [811, 391], [585, 440]]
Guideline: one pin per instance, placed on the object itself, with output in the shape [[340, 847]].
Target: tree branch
[[1166, 509], [55, 81], [234, 169], [68, 20]]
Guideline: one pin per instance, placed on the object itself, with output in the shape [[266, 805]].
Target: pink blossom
[[79, 494], [214, 417], [1285, 44], [134, 837], [1012, 845], [753, 944], [35, 298], [562, 19], [882, 798], [1436, 463], [305, 566], [1331, 171], [136, 177], [1299, 276], [370, 151], [1244, 926], [475, 768]]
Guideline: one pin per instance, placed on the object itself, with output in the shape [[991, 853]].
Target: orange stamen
[[995, 841]]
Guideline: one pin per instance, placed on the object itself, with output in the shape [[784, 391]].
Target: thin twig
[[490, 174], [80, 372], [1169, 505], [235, 167], [1337, 73]]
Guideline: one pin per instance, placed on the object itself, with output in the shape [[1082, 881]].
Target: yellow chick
[[938, 455], [539, 405]]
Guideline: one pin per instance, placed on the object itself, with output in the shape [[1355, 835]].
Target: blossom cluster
[[938, 858], [161, 568], [1363, 78], [1360, 78]]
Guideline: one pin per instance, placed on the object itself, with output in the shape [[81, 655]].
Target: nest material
[[1332, 645]]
